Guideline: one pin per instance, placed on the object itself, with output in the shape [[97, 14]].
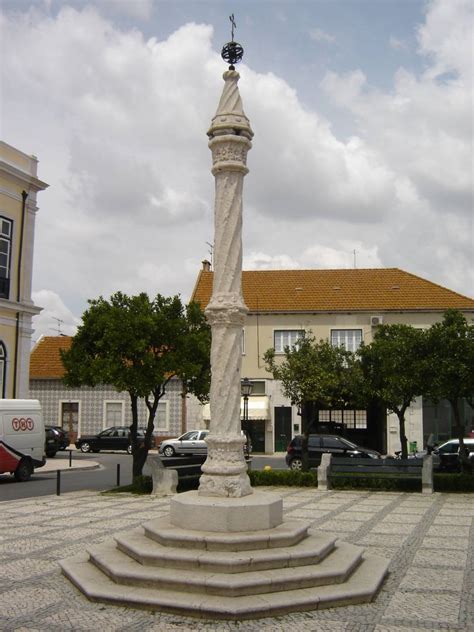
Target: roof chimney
[[206, 265]]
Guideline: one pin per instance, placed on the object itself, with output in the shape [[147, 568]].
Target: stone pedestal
[[255, 512]]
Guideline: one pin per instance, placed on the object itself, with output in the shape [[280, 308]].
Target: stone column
[[225, 470]]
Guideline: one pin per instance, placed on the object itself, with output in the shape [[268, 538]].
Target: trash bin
[[413, 447]]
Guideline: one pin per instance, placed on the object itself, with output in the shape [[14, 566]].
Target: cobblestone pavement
[[429, 540]]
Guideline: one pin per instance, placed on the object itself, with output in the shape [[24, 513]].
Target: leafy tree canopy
[[138, 345], [316, 371]]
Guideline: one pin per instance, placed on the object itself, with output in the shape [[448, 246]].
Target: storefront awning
[[258, 408]]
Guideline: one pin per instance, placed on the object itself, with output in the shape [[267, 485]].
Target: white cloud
[[318, 35], [120, 131], [398, 44], [55, 318], [421, 131]]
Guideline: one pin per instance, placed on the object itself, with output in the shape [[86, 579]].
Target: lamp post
[[246, 388]]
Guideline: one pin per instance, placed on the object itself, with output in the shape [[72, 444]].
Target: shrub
[[444, 482], [286, 478]]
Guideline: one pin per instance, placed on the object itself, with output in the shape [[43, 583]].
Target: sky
[[362, 154]]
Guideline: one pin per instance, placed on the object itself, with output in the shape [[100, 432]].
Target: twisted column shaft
[[225, 471]]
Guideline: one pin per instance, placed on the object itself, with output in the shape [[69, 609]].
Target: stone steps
[[288, 533], [144, 550], [359, 587], [122, 569]]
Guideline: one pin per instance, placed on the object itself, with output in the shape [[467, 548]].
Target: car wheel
[[168, 451], [296, 464], [129, 449], [24, 470], [85, 447]]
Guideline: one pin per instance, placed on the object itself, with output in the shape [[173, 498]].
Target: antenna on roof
[[211, 250], [58, 330], [355, 261]]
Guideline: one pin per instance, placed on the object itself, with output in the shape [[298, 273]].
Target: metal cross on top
[[232, 51]]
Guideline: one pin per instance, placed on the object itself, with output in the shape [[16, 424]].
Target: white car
[[191, 442]]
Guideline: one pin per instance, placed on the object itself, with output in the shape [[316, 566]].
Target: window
[[3, 368], [161, 418], [258, 388], [333, 442], [6, 227], [350, 339], [113, 413], [350, 418], [283, 338]]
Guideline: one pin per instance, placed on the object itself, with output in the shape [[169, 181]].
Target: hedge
[[443, 482]]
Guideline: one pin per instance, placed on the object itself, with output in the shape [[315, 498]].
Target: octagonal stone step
[[360, 587], [288, 533], [310, 550], [124, 570]]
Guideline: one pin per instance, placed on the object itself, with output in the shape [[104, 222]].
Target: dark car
[[51, 442], [319, 444], [63, 437], [116, 438], [448, 453]]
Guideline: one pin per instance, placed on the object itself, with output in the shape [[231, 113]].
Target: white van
[[22, 437]]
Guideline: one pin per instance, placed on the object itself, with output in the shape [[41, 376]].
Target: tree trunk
[[183, 411], [137, 466], [305, 439], [307, 425], [403, 438], [459, 431]]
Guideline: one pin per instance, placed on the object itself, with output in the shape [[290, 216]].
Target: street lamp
[[246, 388]]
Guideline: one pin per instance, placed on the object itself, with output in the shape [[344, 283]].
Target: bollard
[[70, 458], [58, 482], [118, 474]]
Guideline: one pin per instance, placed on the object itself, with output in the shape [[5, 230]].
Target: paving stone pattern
[[429, 540]]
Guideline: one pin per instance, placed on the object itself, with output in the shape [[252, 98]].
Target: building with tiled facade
[[344, 306], [87, 410], [19, 186]]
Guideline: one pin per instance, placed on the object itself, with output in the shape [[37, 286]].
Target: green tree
[[395, 370], [138, 345], [451, 355], [314, 376]]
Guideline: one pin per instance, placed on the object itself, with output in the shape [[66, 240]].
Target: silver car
[[191, 442]]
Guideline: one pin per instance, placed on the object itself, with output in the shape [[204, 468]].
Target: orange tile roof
[[378, 289], [45, 361]]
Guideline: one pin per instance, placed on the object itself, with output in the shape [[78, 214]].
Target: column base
[[255, 512]]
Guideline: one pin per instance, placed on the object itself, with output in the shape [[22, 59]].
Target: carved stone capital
[[229, 148], [225, 470], [226, 309]]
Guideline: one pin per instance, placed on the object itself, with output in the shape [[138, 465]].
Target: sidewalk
[[428, 538], [62, 463]]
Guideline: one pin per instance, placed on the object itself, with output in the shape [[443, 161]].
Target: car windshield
[[187, 435]]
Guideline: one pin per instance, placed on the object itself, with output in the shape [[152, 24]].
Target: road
[[42, 484]]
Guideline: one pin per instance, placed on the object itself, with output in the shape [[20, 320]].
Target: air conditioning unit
[[375, 321]]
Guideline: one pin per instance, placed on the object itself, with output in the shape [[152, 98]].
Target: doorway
[[282, 427], [70, 419]]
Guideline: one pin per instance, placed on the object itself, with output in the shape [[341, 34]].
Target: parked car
[[115, 438], [63, 437], [319, 444], [191, 442], [448, 453], [52, 442]]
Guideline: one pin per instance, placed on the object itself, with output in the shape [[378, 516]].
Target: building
[[344, 306], [19, 186], [88, 410]]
